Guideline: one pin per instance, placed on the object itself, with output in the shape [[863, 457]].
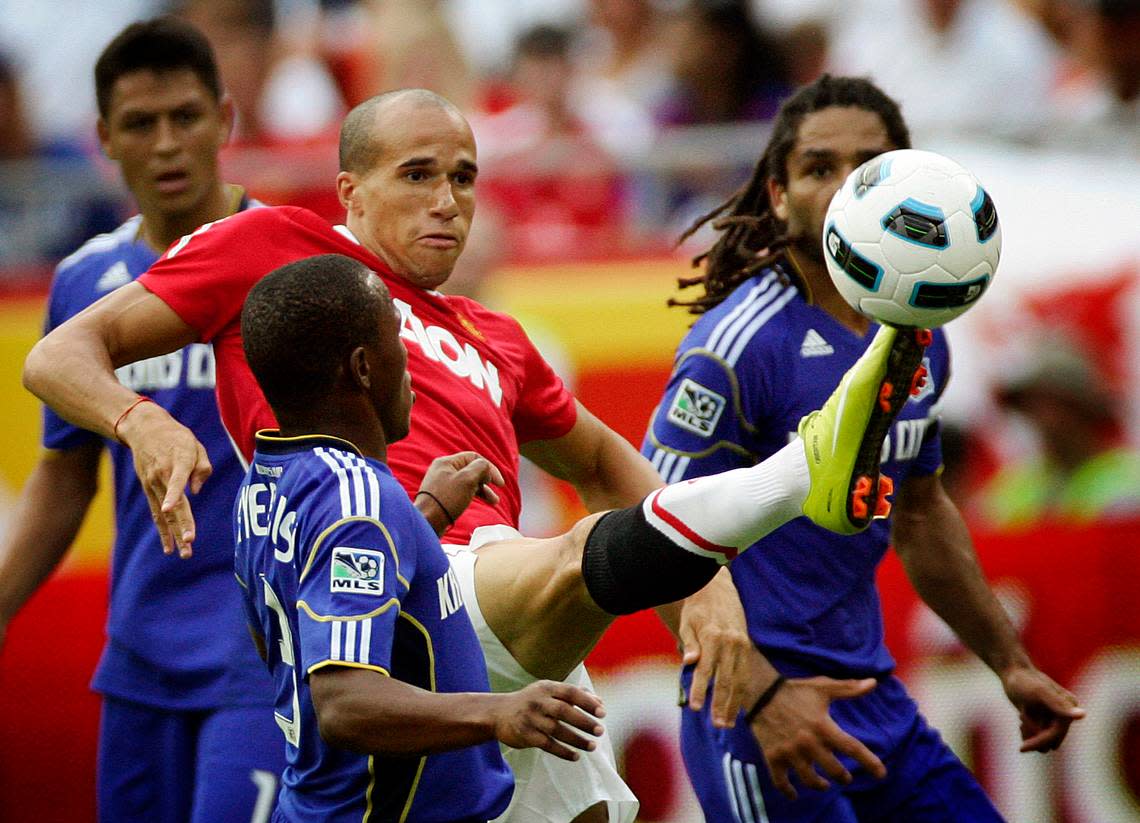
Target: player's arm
[[606, 471], [44, 523], [934, 544], [72, 369], [368, 712]]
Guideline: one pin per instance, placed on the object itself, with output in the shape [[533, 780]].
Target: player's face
[[392, 394], [831, 143], [414, 207], [165, 129]]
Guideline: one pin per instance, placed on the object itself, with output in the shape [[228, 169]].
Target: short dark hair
[[544, 40], [358, 146], [301, 322], [163, 44], [746, 221]]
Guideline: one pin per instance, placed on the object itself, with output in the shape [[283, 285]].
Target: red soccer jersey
[[480, 383]]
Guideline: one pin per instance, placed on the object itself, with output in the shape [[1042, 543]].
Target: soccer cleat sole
[[905, 375]]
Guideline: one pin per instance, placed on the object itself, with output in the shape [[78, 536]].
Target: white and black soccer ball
[[366, 566], [911, 239]]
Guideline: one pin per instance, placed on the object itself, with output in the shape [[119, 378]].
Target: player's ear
[[104, 132], [778, 198], [226, 104], [346, 190], [358, 370]]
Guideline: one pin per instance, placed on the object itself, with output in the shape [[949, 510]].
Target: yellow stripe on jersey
[[415, 787], [423, 760], [730, 373], [328, 618], [355, 518], [368, 666]]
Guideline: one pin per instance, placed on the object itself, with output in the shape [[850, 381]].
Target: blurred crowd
[[625, 119], [605, 128]]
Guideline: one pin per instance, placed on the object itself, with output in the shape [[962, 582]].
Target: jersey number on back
[[290, 726]]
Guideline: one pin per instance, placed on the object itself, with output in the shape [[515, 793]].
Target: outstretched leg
[[549, 601]]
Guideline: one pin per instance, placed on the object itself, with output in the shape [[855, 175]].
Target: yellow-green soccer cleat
[[843, 440]]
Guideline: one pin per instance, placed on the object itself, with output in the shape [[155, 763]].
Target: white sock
[[721, 514]]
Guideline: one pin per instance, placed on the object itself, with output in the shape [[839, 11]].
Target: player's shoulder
[[332, 479], [939, 348], [758, 314], [265, 218], [101, 251]]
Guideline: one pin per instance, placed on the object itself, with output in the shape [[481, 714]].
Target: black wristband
[[766, 698], [442, 508]]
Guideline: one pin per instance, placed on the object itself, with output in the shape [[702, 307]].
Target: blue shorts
[[925, 782], [164, 766]]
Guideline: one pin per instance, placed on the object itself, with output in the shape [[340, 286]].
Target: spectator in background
[[726, 68], [52, 198], [411, 45], [969, 66], [54, 45], [1099, 104], [282, 96], [622, 73], [1084, 470], [542, 169]]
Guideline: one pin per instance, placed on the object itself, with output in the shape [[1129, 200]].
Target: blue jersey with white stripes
[[339, 569], [743, 377], [175, 632]]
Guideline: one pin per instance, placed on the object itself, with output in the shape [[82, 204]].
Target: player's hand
[[545, 715], [796, 734], [168, 458], [452, 482], [1046, 709], [714, 639]]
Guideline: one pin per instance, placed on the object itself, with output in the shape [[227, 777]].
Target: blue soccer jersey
[[338, 568], [744, 376], [176, 634]]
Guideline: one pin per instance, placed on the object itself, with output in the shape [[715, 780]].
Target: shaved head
[[359, 142]]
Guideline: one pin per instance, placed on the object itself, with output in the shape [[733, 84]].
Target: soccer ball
[[911, 239]]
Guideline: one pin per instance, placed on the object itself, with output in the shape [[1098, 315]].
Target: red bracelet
[[142, 398]]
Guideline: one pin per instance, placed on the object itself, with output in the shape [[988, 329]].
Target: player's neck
[[159, 231], [356, 425], [822, 292]]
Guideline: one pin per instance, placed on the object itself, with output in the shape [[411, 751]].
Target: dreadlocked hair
[[751, 236]]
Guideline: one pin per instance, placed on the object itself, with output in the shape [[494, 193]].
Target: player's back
[[340, 569]]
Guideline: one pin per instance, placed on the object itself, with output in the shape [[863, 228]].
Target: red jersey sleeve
[[546, 409]]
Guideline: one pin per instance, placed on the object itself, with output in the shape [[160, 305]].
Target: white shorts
[[547, 788]]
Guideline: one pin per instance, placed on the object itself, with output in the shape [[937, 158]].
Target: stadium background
[[589, 281]]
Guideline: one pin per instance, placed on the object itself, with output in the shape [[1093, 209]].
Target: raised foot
[[843, 440]]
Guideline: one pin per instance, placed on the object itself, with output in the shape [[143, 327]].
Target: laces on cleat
[[924, 337], [885, 392], [886, 489], [918, 381], [860, 498]]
